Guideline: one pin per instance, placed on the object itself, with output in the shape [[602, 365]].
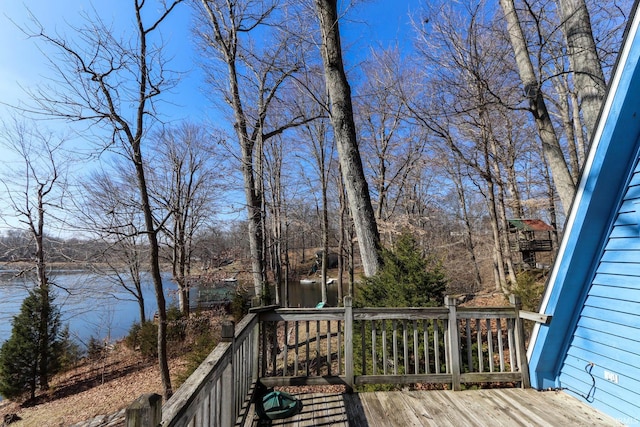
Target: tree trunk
[[581, 145], [154, 260], [564, 111], [341, 230], [501, 277], [583, 56], [286, 261], [43, 285], [254, 216], [325, 236], [551, 146], [345, 135], [468, 233], [501, 212]]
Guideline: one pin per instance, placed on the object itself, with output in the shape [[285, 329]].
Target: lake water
[[93, 306], [309, 295], [90, 303]]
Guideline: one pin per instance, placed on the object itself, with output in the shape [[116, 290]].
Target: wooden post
[[520, 346], [348, 341], [145, 411], [255, 352], [453, 349], [228, 404], [228, 331]]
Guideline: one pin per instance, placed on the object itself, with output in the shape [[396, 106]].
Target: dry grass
[[93, 389]]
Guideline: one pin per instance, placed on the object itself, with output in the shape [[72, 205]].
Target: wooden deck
[[492, 407]]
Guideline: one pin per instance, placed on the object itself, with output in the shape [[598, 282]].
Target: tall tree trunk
[[551, 200], [583, 56], [341, 239], [43, 285], [254, 211], [501, 212], [345, 135], [581, 145], [498, 257], [325, 236], [287, 261], [551, 146], [512, 173], [468, 234], [154, 260], [135, 141], [564, 110]]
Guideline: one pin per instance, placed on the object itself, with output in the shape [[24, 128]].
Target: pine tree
[[23, 364], [406, 279]]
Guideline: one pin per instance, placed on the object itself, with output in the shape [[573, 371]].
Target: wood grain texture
[[490, 407]]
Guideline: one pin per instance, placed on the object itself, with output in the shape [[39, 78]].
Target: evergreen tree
[[23, 363], [406, 279]]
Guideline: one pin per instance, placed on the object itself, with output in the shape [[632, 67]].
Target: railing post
[[145, 411], [519, 337], [255, 351], [454, 342], [348, 341], [228, 417]]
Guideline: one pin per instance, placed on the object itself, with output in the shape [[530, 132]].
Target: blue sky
[[371, 23], [23, 64]]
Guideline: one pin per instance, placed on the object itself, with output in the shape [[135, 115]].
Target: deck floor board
[[490, 407]]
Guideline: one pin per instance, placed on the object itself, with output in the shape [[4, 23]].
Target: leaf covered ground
[[94, 388]]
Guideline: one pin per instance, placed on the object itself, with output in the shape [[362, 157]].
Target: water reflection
[[308, 295]]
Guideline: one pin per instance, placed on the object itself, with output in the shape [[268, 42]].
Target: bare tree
[[344, 129], [277, 207], [188, 172], [456, 169], [34, 190], [538, 107], [112, 84], [587, 70], [249, 76], [470, 87], [107, 208], [389, 146], [321, 149]]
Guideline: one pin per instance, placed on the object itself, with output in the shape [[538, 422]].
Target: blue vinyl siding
[[606, 340], [591, 348]]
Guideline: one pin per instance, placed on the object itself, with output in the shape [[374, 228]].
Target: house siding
[[602, 363]]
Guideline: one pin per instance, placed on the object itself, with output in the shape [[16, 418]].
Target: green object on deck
[[277, 405]]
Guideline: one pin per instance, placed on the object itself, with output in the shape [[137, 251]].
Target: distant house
[[591, 348], [530, 236]]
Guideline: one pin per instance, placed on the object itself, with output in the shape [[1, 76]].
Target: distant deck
[[490, 407]]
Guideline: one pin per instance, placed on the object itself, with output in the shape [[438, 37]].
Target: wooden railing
[[218, 390], [393, 346], [537, 245], [351, 346]]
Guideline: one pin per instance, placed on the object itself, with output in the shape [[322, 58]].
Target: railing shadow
[[355, 410]]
